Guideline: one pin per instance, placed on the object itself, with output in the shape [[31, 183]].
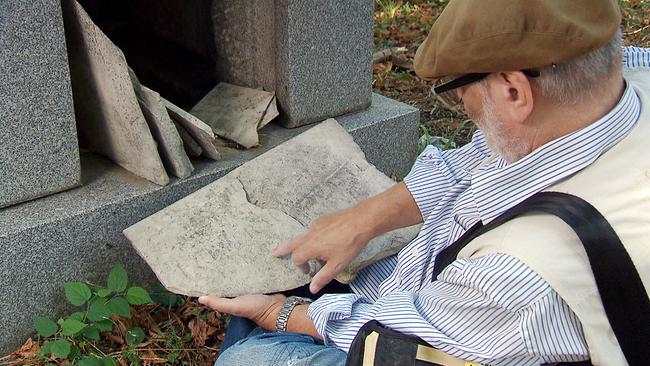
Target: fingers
[[324, 276], [287, 247]]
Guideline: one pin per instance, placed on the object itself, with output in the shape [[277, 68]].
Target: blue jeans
[[275, 349]]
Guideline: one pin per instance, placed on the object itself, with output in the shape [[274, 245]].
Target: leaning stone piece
[[218, 240], [192, 147], [270, 114], [169, 141], [234, 112], [109, 120], [201, 132]]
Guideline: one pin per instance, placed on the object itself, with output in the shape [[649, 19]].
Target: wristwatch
[[285, 311]]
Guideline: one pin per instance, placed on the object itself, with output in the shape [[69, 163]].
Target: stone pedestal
[[77, 235], [38, 138]]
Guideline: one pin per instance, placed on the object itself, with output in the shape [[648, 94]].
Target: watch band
[[288, 306]]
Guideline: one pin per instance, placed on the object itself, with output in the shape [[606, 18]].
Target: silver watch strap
[[288, 306]]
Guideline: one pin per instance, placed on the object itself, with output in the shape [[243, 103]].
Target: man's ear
[[513, 96]]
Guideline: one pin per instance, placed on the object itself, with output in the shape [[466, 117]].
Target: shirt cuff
[[332, 307]]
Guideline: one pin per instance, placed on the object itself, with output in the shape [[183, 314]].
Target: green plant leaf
[[89, 361], [104, 325], [104, 292], [45, 327], [135, 336], [70, 327], [60, 348], [77, 293], [46, 349], [108, 361], [91, 332], [119, 306], [78, 315], [117, 279], [99, 311], [138, 296]]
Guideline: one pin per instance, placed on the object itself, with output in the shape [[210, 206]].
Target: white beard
[[497, 134]]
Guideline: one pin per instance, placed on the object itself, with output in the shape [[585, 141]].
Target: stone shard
[[218, 240], [201, 132], [270, 114], [234, 112], [109, 120], [169, 141], [192, 147]]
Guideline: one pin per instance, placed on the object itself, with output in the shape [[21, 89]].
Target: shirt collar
[[498, 186]]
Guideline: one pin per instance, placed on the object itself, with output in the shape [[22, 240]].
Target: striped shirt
[[492, 309]]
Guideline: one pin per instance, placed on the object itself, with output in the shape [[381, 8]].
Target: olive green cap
[[476, 36]]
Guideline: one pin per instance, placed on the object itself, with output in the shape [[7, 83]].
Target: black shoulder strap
[[624, 297]]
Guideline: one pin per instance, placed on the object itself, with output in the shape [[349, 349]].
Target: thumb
[[219, 304]]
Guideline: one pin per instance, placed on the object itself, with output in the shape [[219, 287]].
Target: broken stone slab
[[109, 119], [192, 147], [165, 133], [234, 112], [201, 132], [219, 239]]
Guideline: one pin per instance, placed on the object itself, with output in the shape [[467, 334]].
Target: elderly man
[[543, 81]]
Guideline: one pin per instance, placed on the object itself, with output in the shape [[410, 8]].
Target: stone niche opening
[[168, 43]]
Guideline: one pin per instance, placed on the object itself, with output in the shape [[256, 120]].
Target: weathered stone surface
[[234, 112], [197, 128], [169, 141], [218, 240], [109, 120], [192, 147], [38, 140]]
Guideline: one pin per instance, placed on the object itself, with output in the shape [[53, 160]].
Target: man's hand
[[335, 239], [339, 237], [262, 309]]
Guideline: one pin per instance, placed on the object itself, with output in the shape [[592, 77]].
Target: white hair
[[578, 80]]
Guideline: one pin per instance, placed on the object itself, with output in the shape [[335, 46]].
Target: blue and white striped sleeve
[[636, 57], [435, 171], [499, 323]]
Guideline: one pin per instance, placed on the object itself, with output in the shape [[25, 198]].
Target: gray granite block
[[76, 235], [323, 58], [38, 138]]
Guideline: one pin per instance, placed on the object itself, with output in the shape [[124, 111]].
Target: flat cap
[[477, 36]]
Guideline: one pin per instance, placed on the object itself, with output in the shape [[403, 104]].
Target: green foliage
[[72, 338]]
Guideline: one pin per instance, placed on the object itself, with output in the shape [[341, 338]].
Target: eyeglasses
[[444, 88]]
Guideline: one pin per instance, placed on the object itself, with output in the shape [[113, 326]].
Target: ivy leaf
[[44, 326], [46, 349], [99, 311], [108, 361], [91, 332], [78, 315], [135, 336], [60, 348], [70, 327], [138, 296], [104, 292], [117, 279], [104, 325], [77, 293], [90, 361], [119, 306]]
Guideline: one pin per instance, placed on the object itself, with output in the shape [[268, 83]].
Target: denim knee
[[275, 349]]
